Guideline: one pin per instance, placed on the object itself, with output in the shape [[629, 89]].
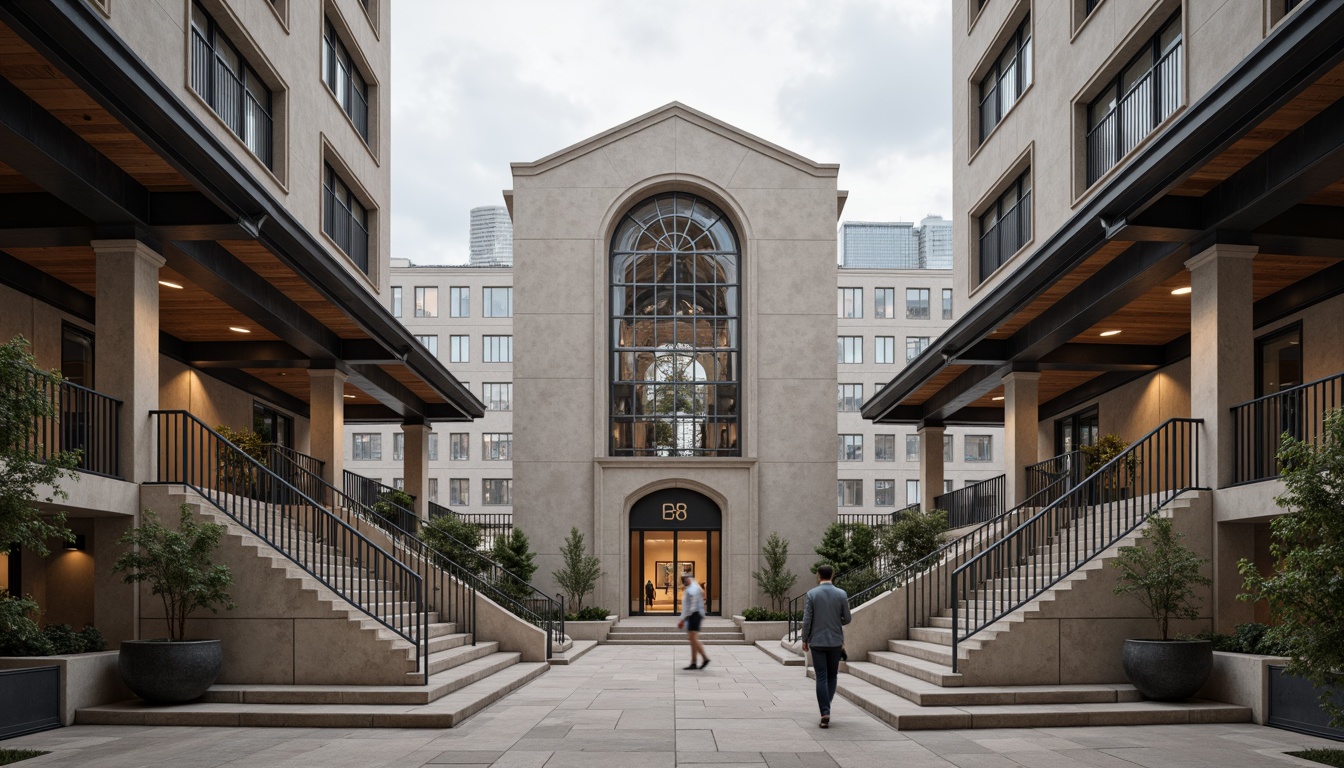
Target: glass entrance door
[[657, 561]]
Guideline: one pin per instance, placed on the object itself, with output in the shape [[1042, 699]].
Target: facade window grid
[[497, 349], [459, 302], [366, 446], [344, 81], [459, 446], [914, 346], [398, 446], [911, 491], [399, 483], [1005, 226], [850, 397], [434, 489], [947, 303], [850, 350], [396, 301], [497, 492], [459, 492], [850, 448], [884, 350], [849, 493], [426, 301], [979, 448], [433, 447], [221, 77], [497, 302], [459, 349], [345, 219], [916, 303], [884, 448], [912, 447], [947, 449], [850, 303], [497, 446], [884, 303], [1006, 79], [497, 396], [884, 493], [430, 342]]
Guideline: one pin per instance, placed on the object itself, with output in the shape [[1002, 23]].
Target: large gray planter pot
[[166, 672], [1168, 670]]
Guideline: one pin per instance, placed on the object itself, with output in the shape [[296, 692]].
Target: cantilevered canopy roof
[[1258, 160]]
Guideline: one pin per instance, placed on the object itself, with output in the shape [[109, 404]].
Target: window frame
[[487, 300], [849, 303], [459, 491], [1013, 199], [884, 303], [890, 492], [396, 301], [849, 448], [884, 350], [845, 346], [921, 308], [337, 192], [851, 395], [354, 97], [497, 446], [250, 83], [459, 348], [881, 452], [494, 345], [503, 393], [425, 295], [373, 446], [842, 486], [989, 448], [1019, 44], [506, 485], [459, 446]]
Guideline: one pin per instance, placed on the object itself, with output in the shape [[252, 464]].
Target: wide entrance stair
[[662, 630]]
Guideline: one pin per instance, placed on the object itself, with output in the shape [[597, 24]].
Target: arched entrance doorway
[[674, 531]]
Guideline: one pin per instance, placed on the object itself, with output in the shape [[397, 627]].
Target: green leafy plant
[[766, 614], [65, 640], [19, 633], [1162, 575], [26, 397], [913, 537], [846, 546], [775, 579], [514, 553], [456, 540], [588, 614], [580, 572], [1245, 638], [237, 474], [10, 756], [391, 503], [178, 566], [1305, 593], [1334, 757]]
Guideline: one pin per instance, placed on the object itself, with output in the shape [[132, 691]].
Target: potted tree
[[1163, 576], [177, 564], [1115, 484]]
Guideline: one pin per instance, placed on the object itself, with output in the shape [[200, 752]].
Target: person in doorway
[[649, 592], [692, 613], [825, 613]]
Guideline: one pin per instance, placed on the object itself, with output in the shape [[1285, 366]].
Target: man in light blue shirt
[[825, 614], [692, 613]]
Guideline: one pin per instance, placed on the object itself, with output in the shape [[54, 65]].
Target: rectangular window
[[850, 448], [497, 446], [429, 342], [947, 449], [459, 349], [850, 303], [398, 446], [1006, 79], [884, 349], [459, 446], [1006, 225], [396, 301], [916, 303], [884, 448], [912, 447], [979, 448], [497, 396], [459, 492], [221, 76], [399, 483], [884, 303], [367, 446], [884, 493], [496, 493], [426, 301], [911, 491], [433, 447], [947, 303], [434, 489], [497, 349], [850, 349], [498, 302], [851, 396], [1146, 92], [459, 302], [914, 345], [344, 80], [947, 486], [345, 219], [850, 493]]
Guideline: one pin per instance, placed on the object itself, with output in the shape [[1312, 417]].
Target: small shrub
[[63, 638], [775, 579], [8, 756], [913, 537], [1333, 757], [514, 553], [591, 613], [580, 573], [93, 639], [765, 614], [1245, 638], [456, 540], [391, 504], [19, 633]]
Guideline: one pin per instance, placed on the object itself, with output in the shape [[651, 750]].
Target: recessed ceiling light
[[236, 329], [167, 284], [1110, 333], [996, 399], [351, 397], [1181, 291]]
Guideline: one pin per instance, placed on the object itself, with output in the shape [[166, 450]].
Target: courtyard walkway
[[634, 707]]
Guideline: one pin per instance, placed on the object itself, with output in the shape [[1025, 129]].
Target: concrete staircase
[[662, 630]]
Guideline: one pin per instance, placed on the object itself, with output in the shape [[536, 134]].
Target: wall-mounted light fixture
[[78, 545]]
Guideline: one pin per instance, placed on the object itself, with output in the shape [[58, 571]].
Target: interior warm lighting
[[78, 545], [352, 397], [997, 399], [236, 329], [167, 284], [1110, 333], [1181, 291]]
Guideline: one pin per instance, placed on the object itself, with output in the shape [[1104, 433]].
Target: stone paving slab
[[634, 707]]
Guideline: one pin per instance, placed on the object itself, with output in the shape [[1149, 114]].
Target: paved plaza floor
[[634, 707]]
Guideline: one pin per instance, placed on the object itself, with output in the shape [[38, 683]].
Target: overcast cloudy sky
[[477, 85]]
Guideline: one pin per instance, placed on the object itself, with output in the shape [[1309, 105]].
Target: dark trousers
[[826, 662]]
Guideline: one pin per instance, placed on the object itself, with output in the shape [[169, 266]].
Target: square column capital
[[1221, 251], [138, 248], [327, 374], [1013, 377]]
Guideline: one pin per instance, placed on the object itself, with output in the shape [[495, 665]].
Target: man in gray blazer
[[825, 613]]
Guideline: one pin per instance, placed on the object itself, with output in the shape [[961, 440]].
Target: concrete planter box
[[1241, 678], [755, 631], [589, 630], [87, 679]]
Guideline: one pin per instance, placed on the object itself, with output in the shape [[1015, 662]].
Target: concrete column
[[126, 344], [1222, 351], [116, 606], [1020, 433], [930, 465], [326, 412], [415, 466]]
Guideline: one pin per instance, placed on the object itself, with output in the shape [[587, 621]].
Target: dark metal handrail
[[1108, 505], [491, 525], [974, 503], [298, 526], [86, 420], [298, 469], [375, 495], [1043, 474], [1152, 99], [1258, 425]]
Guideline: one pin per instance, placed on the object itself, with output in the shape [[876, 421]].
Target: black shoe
[[825, 721], [692, 667], [704, 663]]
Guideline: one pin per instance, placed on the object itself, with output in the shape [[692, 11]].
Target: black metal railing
[[1006, 236], [1092, 516], [382, 499], [1259, 425], [236, 104], [876, 519], [1069, 466], [300, 527], [343, 226], [1140, 110], [492, 526], [975, 503], [86, 421], [298, 469]]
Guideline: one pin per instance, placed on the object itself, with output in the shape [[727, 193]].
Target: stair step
[[572, 654], [928, 671], [453, 657], [671, 641], [935, 635], [938, 654], [776, 650], [927, 694]]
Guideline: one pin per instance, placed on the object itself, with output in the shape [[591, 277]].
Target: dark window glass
[[850, 396], [1006, 225], [77, 356], [231, 88], [884, 448], [916, 303], [1144, 94], [273, 426], [884, 302], [1006, 79], [344, 80], [345, 219]]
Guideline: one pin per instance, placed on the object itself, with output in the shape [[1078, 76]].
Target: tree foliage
[[846, 546], [456, 540], [25, 398], [775, 579], [1305, 593], [178, 566], [514, 553], [1162, 575], [580, 573], [913, 537]]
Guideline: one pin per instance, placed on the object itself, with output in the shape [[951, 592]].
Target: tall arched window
[[675, 330]]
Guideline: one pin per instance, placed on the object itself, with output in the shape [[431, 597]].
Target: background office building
[[896, 244], [491, 237]]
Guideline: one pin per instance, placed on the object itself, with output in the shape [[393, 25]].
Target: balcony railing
[[1143, 107], [86, 421], [219, 85], [876, 519], [492, 526], [341, 224], [976, 503], [1258, 426], [1006, 236]]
